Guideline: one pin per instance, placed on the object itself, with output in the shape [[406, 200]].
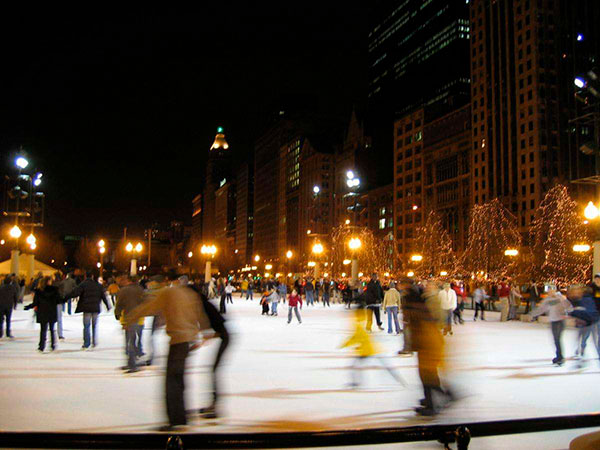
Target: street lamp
[[416, 258], [131, 249], [511, 252], [269, 266], [581, 248], [257, 258], [209, 251], [316, 190], [354, 244], [317, 250], [15, 232], [21, 162]]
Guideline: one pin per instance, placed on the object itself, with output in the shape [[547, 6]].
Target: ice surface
[[292, 377]]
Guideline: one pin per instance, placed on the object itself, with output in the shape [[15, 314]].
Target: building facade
[[244, 213]]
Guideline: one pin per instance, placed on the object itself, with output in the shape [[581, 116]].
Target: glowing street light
[[443, 273], [581, 248], [102, 250], [257, 258], [311, 264], [316, 189], [209, 251], [21, 162], [346, 262], [190, 254], [410, 274], [347, 221], [416, 258], [580, 82], [131, 249], [33, 246], [15, 232], [139, 247], [269, 266], [101, 243], [591, 212], [289, 254], [511, 252], [354, 244], [317, 248], [31, 239]]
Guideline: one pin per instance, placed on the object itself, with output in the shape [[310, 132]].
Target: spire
[[220, 141]]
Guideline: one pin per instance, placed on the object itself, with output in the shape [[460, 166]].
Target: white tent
[[24, 267]]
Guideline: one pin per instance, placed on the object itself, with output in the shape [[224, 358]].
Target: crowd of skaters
[[423, 312]]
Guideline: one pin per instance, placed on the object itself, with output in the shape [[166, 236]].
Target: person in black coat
[[45, 302], [373, 298], [8, 300], [90, 294]]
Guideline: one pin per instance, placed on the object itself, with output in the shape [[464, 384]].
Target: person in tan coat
[[185, 318], [391, 305]]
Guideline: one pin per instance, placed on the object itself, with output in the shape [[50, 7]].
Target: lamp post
[[209, 252], [134, 250], [317, 250], [354, 244], [353, 184], [592, 213], [289, 255], [101, 250]]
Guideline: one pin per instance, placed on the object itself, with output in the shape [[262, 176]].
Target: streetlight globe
[[416, 258], [257, 258], [289, 254], [511, 252], [356, 182], [316, 189], [591, 211], [139, 247], [579, 82], [101, 243], [21, 162], [16, 232], [98, 265], [269, 266], [346, 262], [581, 248], [190, 254], [349, 183], [347, 221], [354, 244], [102, 250], [30, 239], [350, 175], [317, 249], [33, 246], [129, 247]]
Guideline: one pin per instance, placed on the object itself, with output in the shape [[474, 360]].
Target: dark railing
[[446, 434]]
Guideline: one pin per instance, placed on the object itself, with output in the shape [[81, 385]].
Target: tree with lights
[[556, 229], [371, 256], [492, 231], [434, 245]]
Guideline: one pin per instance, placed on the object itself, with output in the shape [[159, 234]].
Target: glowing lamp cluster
[[351, 180], [131, 248], [15, 232], [354, 244], [209, 250], [591, 211]]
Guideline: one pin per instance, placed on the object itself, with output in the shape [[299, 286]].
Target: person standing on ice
[[448, 304], [557, 307], [45, 301], [90, 294], [309, 291], [185, 318], [293, 301], [373, 298], [128, 298]]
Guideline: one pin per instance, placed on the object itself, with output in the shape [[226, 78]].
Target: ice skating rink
[[280, 377]]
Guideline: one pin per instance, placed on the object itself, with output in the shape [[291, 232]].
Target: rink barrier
[[446, 434]]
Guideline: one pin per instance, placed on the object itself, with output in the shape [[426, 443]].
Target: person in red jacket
[[293, 301], [503, 294]]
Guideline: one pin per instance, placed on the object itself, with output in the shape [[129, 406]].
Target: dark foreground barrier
[[446, 434]]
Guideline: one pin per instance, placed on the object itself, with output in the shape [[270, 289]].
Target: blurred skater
[[557, 307], [185, 317], [364, 348], [9, 297]]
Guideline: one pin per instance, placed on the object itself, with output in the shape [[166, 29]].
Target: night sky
[[118, 108]]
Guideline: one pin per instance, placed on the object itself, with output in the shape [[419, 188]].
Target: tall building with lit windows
[[418, 56], [218, 173], [523, 57]]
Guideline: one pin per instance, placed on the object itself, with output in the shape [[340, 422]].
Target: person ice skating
[[448, 304], [113, 289], [391, 306], [428, 342], [514, 302], [65, 287], [185, 317], [9, 297], [250, 290], [228, 291], [326, 287], [294, 300], [461, 294], [503, 296], [45, 301], [274, 300], [586, 318], [90, 294], [364, 348], [533, 296], [282, 291], [217, 323], [264, 303], [309, 292], [373, 299], [557, 306], [129, 298], [479, 297]]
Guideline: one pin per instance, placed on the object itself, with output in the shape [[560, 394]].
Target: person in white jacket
[[448, 303]]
